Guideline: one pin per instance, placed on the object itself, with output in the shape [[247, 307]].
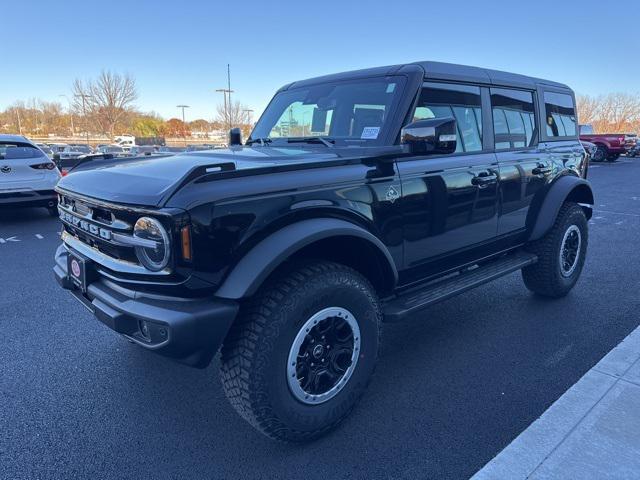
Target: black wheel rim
[[323, 355], [570, 250]]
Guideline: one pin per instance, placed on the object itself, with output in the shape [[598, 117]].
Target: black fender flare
[[257, 264], [567, 187]]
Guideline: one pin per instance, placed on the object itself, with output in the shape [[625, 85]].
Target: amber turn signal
[[185, 237]]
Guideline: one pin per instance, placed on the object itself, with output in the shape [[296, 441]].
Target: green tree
[[147, 126]]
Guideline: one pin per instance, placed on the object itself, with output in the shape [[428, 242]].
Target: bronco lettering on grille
[[86, 226]]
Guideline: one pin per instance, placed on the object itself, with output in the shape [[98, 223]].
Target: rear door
[[449, 202], [561, 135], [17, 161], [525, 164]]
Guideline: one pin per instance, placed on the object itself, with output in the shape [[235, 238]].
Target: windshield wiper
[[327, 142], [261, 141]]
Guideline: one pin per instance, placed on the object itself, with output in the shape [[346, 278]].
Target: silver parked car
[[27, 175], [72, 152], [115, 150], [46, 149]]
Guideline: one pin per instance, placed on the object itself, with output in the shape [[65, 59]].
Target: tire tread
[[240, 358], [542, 277]]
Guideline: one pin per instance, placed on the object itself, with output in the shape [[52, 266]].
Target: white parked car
[[27, 175]]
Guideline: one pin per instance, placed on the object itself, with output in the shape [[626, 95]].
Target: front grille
[[100, 231], [88, 217]]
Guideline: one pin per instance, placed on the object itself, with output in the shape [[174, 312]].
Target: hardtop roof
[[440, 71]]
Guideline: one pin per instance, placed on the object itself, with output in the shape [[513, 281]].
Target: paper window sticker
[[370, 133]]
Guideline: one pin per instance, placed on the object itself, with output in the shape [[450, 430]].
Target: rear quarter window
[[15, 151], [560, 115]]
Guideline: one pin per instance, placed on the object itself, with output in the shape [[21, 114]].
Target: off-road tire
[[600, 154], [255, 352], [545, 277]]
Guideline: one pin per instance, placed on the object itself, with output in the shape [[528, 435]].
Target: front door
[[449, 202]]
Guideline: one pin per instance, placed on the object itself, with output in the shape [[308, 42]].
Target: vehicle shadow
[[22, 215], [421, 412]]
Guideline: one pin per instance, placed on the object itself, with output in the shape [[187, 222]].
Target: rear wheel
[[302, 351], [600, 154], [561, 254]]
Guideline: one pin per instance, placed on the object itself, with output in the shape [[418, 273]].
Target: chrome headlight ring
[[156, 254]]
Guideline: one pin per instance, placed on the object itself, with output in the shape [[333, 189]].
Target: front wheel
[[302, 351], [561, 254]]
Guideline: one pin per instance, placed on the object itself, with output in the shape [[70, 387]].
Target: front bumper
[[189, 331]]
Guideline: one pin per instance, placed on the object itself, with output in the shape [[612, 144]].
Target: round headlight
[[155, 255]]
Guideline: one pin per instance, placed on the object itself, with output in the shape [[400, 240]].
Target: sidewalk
[[592, 431]]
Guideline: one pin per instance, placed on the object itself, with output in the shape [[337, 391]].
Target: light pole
[[84, 97], [184, 130], [229, 91], [248, 112], [19, 122], [227, 109], [73, 130], [304, 124]]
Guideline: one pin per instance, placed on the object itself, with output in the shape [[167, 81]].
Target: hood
[[150, 180]]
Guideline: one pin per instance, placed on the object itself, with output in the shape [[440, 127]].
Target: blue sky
[[178, 51]]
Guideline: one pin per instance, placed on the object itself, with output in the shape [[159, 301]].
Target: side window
[[514, 119], [461, 102], [560, 115]]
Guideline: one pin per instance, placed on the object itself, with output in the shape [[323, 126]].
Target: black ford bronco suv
[[359, 198]]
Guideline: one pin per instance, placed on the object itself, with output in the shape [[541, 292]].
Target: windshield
[[349, 112]]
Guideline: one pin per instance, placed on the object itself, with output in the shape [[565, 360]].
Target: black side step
[[414, 300]]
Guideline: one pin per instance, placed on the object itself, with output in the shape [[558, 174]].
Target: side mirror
[[431, 136], [235, 137]]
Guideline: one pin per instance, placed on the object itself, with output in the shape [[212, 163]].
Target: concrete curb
[[592, 431]]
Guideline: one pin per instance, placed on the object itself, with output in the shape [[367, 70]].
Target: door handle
[[541, 169], [484, 179]]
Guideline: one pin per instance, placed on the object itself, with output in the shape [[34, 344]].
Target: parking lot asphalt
[[453, 386]]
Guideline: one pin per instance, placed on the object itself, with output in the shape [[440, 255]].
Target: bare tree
[[233, 115], [106, 101], [621, 111], [588, 107], [611, 113]]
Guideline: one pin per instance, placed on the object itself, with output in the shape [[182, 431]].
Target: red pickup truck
[[609, 145]]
